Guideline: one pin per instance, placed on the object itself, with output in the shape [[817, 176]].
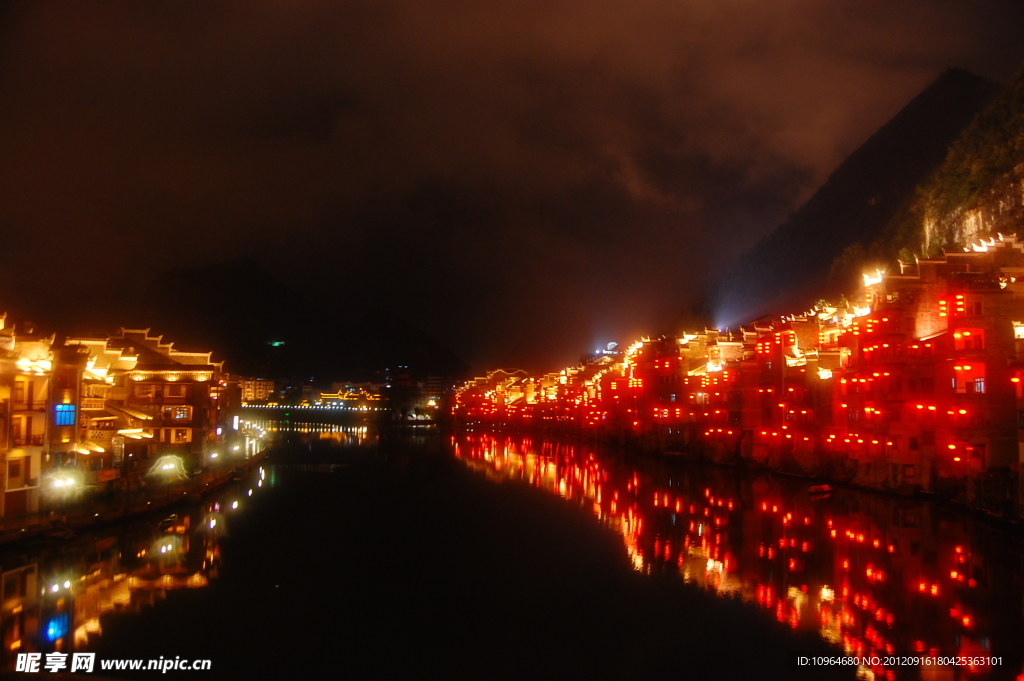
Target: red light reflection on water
[[870, 575]]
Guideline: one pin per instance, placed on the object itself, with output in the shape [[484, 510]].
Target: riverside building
[[915, 385]]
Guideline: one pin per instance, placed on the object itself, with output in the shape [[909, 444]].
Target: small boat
[[820, 491], [59, 529], [168, 522]]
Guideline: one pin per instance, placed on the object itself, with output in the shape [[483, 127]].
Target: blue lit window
[[65, 415], [57, 627]]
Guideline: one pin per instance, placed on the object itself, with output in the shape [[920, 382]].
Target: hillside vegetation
[[865, 213], [976, 192], [978, 189]]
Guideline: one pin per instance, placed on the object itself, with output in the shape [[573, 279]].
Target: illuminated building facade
[[107, 429], [256, 389], [916, 385], [176, 390], [72, 415], [26, 366], [356, 396]]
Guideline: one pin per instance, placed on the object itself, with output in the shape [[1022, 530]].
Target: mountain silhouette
[[821, 248]]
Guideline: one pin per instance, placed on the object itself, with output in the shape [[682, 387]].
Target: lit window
[[969, 339], [64, 415], [178, 413]]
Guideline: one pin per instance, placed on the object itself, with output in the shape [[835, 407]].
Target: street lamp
[[170, 467], [63, 485], [62, 482]]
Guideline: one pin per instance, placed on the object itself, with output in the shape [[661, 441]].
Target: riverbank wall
[[821, 469], [95, 511]]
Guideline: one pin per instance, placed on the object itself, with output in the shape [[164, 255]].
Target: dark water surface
[[504, 557]]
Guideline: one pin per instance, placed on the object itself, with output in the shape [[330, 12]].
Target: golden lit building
[[25, 373], [256, 389], [176, 390]]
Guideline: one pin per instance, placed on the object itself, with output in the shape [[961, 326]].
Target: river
[[497, 556]]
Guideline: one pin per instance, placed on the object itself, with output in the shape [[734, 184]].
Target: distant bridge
[[309, 413], [315, 407]]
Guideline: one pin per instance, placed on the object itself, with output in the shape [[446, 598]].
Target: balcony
[[976, 355], [168, 422], [15, 484], [26, 405], [29, 441], [889, 302], [93, 403], [976, 281]]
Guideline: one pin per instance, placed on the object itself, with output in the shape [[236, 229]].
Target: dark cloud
[[521, 179]]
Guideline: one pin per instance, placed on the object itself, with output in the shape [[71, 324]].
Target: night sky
[[522, 180]]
